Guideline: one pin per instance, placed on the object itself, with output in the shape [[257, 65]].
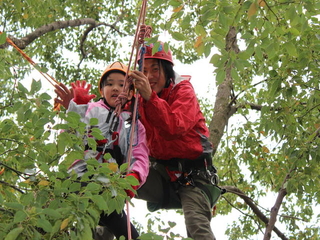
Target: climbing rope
[[142, 31]]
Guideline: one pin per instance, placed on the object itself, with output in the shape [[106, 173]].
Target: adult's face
[[155, 75]]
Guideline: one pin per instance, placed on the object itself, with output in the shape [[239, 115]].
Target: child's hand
[[81, 92], [129, 192]]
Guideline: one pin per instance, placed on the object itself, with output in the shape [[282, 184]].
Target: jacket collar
[[166, 91]]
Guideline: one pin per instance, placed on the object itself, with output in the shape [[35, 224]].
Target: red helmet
[[160, 54]]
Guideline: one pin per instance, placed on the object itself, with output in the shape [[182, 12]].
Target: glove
[[129, 192], [81, 92]]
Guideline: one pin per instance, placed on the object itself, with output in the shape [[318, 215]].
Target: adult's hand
[[64, 95], [141, 83]]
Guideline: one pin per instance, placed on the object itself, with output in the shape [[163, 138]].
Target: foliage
[[39, 199], [264, 123]]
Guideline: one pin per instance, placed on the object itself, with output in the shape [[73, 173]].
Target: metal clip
[[109, 143], [186, 179], [214, 179]]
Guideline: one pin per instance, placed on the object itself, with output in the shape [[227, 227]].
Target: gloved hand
[[81, 92], [129, 192]]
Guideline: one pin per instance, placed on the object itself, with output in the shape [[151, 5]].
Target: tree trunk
[[222, 106]]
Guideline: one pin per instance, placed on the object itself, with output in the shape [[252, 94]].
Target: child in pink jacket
[[116, 132]]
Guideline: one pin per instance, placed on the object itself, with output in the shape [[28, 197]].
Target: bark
[[275, 209], [222, 108]]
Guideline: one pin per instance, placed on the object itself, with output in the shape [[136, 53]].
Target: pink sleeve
[[140, 154]]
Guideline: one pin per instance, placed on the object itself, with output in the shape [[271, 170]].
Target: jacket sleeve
[[140, 154], [176, 117], [80, 109]]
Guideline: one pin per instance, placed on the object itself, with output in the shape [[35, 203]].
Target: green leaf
[[52, 213], [107, 156], [291, 49], [123, 167], [44, 224], [157, 3], [100, 201], [92, 143], [22, 88], [220, 76], [14, 233], [27, 198], [218, 43], [42, 122], [235, 75], [93, 187], [14, 205], [215, 59], [56, 227], [35, 86], [132, 181], [185, 22], [155, 47], [200, 49], [96, 132], [93, 121], [93, 212], [178, 36], [6, 125], [199, 30], [75, 187], [87, 232], [3, 38], [74, 155], [19, 216]]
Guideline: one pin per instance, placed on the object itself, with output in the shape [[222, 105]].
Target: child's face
[[112, 87]]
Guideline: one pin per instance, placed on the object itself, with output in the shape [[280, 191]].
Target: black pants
[[117, 225]]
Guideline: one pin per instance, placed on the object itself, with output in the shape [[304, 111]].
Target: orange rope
[[48, 77], [45, 75]]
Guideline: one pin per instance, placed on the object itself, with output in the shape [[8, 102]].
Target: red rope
[[144, 31]]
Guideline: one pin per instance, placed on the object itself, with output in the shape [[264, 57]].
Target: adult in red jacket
[[181, 172]]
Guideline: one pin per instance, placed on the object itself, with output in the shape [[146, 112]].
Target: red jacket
[[174, 124]]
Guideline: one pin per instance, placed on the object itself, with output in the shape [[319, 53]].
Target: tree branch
[[25, 41], [254, 208], [275, 209], [12, 186]]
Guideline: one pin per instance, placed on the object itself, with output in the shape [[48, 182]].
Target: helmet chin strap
[[106, 103]]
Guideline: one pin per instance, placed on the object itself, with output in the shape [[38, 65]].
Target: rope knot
[[120, 101], [145, 32]]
